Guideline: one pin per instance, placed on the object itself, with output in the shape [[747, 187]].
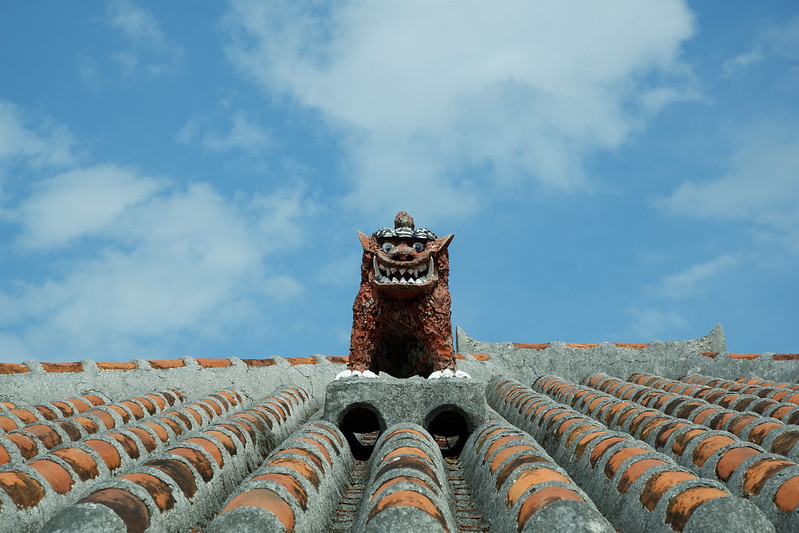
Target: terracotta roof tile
[[162, 445]]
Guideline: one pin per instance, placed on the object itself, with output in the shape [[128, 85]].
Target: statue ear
[[368, 243], [443, 242]]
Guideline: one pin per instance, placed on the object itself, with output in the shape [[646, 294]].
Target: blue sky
[[186, 177]]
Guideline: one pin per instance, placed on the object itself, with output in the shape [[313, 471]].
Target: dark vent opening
[[361, 427], [450, 430]]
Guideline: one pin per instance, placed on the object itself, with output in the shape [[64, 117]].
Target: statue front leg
[[362, 341]]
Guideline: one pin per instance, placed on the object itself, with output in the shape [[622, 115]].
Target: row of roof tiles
[[182, 448], [295, 488], [515, 480], [219, 454], [745, 468], [163, 364], [170, 465], [636, 487], [157, 364], [42, 420], [640, 346], [758, 428]]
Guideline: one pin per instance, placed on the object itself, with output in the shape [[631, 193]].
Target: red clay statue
[[401, 321]]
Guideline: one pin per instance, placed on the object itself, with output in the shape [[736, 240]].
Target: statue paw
[[448, 373], [345, 374], [355, 374]]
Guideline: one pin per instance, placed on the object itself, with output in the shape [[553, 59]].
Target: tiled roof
[[662, 436]]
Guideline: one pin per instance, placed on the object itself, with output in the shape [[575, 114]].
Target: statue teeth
[[411, 275]]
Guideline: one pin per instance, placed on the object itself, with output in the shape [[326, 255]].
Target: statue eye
[[418, 247], [387, 246]]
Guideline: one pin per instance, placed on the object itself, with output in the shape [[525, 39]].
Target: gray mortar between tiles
[[92, 516], [708, 469], [32, 519], [669, 359], [385, 445], [782, 521], [445, 488], [404, 519], [768, 442], [315, 517], [728, 515], [566, 516], [413, 400], [627, 516], [192, 380], [209, 496], [247, 520], [672, 359], [578, 516]]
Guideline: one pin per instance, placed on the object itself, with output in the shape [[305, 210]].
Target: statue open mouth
[[401, 319], [417, 273]]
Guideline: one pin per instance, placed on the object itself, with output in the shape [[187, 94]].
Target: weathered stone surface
[[414, 400], [87, 517], [567, 516], [401, 321], [728, 515]]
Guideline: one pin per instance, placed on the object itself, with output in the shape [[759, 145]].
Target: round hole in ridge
[[361, 427], [450, 431]]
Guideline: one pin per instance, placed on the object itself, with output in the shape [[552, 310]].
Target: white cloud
[[651, 324], [44, 144], [423, 92], [785, 38], [779, 41], [79, 202], [126, 262], [12, 350], [89, 71], [244, 134], [150, 53], [177, 262], [693, 279], [762, 187], [742, 62], [136, 23]]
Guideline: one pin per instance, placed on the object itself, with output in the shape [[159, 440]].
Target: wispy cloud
[[693, 279], [33, 142], [762, 187], [137, 24], [423, 93], [80, 202], [155, 260], [785, 38], [148, 52], [650, 323], [244, 134], [742, 62], [781, 40], [183, 261]]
